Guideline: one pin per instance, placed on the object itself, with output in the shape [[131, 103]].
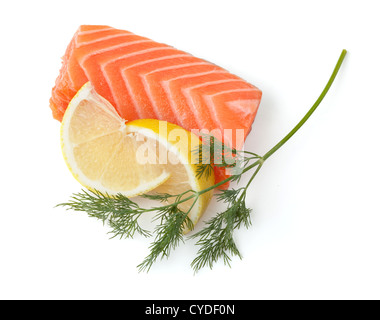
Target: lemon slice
[[99, 152], [106, 154]]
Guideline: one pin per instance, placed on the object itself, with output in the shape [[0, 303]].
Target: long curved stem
[[312, 109]]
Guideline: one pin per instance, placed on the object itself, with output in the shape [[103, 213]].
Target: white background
[[316, 220]]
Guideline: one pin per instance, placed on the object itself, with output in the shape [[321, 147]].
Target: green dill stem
[[251, 179], [312, 109], [261, 160], [196, 194]]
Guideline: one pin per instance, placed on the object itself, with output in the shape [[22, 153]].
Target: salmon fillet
[[145, 79]]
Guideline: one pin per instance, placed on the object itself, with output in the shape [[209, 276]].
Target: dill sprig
[[216, 239], [120, 212], [169, 232]]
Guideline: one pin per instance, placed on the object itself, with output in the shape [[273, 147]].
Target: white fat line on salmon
[[109, 37], [83, 60], [126, 72], [190, 91], [105, 66], [147, 85], [94, 31], [177, 110]]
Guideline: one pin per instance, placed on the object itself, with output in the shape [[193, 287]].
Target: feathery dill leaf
[[169, 234], [120, 212], [216, 240]]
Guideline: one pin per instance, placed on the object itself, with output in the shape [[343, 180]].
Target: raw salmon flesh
[[144, 79]]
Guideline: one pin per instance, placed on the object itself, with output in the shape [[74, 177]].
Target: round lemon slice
[[106, 154], [99, 152]]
